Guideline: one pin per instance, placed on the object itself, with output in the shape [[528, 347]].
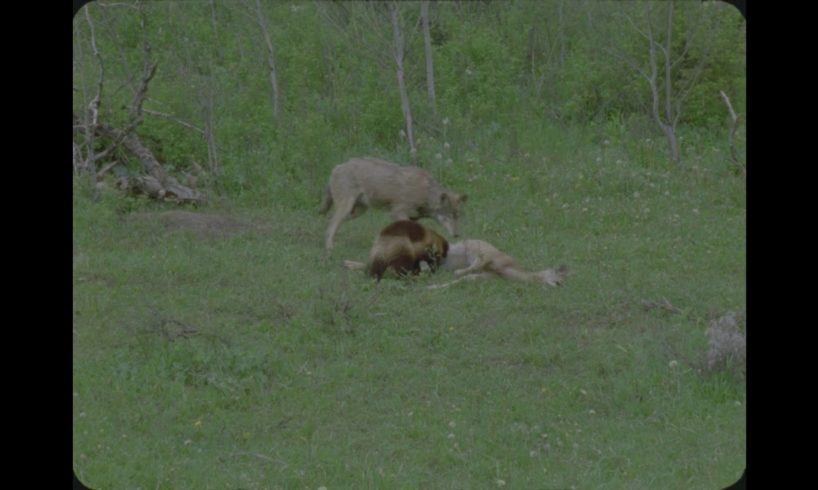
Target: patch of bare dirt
[[202, 225]]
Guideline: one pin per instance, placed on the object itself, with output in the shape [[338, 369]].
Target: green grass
[[301, 374]]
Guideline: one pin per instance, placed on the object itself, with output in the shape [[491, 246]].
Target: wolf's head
[[447, 210]]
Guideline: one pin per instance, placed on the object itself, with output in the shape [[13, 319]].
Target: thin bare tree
[[213, 22], [427, 45], [731, 138], [194, 61], [666, 100], [271, 64], [92, 117], [209, 103], [668, 123], [399, 52], [368, 27]]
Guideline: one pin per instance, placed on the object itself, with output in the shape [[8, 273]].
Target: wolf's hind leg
[[476, 265], [342, 210], [470, 277], [509, 272], [326, 200]]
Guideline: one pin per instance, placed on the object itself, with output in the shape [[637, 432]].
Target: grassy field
[[224, 354]]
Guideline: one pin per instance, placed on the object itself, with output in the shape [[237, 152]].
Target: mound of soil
[[202, 225]]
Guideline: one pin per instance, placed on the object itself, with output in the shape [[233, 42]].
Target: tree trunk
[[262, 22], [666, 51], [427, 43], [92, 117], [213, 17], [670, 136], [731, 138], [328, 56], [78, 161], [561, 32], [670, 125], [210, 133], [667, 127], [404, 96]]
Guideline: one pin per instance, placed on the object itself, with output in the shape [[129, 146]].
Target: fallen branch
[[174, 119], [133, 144], [157, 184], [104, 170], [171, 190], [259, 456], [174, 333], [664, 304]]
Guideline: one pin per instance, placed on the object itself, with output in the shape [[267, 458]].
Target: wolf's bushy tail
[[553, 277], [326, 201]]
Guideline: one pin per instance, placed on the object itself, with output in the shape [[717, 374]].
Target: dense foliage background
[[508, 77]]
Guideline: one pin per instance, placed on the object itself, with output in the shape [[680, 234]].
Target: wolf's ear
[[452, 198], [463, 198]]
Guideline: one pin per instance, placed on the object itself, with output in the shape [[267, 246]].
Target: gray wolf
[[478, 259], [407, 192], [402, 246]]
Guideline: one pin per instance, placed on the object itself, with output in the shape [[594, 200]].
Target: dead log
[[144, 184], [176, 192], [157, 184], [170, 191]]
